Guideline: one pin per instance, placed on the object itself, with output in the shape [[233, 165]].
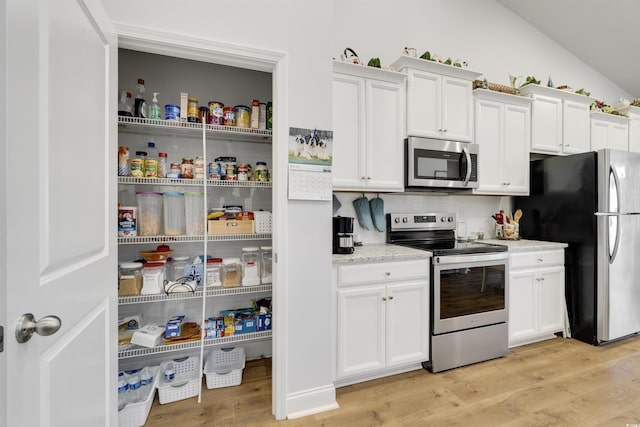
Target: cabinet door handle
[[540, 259], [384, 298], [387, 273], [391, 297], [362, 177]]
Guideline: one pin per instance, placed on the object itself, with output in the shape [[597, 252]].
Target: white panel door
[[489, 128], [599, 134], [576, 137], [348, 132], [523, 305], [516, 148], [619, 137], [361, 336], [551, 300], [457, 107], [546, 124], [59, 204], [424, 104], [385, 118], [407, 331]]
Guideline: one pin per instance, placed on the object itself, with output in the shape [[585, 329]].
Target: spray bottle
[[154, 109]]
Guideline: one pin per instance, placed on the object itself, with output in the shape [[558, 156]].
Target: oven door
[[469, 291], [442, 164]]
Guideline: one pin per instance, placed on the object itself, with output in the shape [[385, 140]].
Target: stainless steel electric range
[[469, 289]]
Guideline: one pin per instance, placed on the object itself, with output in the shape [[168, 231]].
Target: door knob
[[27, 325]]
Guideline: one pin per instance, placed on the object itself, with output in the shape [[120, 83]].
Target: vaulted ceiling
[[604, 34]]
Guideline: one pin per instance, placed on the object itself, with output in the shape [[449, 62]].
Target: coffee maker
[[342, 235]]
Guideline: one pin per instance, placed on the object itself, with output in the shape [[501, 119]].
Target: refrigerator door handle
[[614, 224]]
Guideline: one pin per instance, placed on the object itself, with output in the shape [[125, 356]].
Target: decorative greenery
[[583, 92], [530, 80], [374, 62]]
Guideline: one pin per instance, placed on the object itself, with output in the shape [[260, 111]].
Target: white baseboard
[[312, 401]]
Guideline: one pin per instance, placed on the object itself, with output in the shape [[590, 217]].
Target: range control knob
[[397, 220], [405, 219], [450, 219], [443, 219]]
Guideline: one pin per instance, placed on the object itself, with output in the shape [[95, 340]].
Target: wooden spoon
[[517, 216]]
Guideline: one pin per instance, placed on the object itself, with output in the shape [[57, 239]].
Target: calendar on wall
[[310, 156]]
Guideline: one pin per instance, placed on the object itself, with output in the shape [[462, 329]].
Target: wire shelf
[[210, 292], [192, 238], [144, 351], [193, 182], [178, 128]]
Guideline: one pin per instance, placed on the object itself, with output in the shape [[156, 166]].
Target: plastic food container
[[149, 213], [174, 216], [194, 212], [250, 266], [231, 273], [242, 116]]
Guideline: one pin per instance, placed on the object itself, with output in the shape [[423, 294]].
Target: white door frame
[[204, 50]]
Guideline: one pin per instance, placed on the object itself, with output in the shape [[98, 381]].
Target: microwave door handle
[[468, 157]]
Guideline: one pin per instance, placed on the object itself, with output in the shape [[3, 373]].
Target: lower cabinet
[[382, 313], [536, 296]]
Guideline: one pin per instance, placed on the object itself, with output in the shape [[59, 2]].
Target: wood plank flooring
[[559, 382]]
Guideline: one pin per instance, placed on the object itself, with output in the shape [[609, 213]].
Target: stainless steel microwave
[[439, 164]]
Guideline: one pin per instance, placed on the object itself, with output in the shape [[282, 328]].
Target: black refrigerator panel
[[560, 208]]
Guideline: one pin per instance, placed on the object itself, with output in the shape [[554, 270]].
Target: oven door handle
[[467, 258], [465, 151]]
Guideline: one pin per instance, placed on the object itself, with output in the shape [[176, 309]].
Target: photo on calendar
[[310, 146]]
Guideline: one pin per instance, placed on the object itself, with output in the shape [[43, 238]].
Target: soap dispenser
[[154, 109]]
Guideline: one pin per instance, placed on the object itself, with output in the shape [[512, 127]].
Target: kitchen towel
[[361, 204], [376, 207]]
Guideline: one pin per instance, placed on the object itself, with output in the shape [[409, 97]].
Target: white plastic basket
[[135, 414], [223, 368], [186, 382], [262, 222]]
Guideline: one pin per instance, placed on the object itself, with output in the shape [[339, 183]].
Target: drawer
[[536, 259], [349, 275]]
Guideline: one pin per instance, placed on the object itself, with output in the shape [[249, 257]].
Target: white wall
[[489, 37]]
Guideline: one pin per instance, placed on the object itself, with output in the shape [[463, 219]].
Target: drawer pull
[[387, 273], [391, 297], [384, 298], [540, 260]]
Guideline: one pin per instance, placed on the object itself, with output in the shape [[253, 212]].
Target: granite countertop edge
[[526, 245], [379, 252]]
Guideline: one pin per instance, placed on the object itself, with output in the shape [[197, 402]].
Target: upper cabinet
[[368, 128], [609, 131], [634, 127], [439, 99], [560, 121], [503, 132]]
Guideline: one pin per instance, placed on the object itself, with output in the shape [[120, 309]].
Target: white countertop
[[381, 252], [526, 245]]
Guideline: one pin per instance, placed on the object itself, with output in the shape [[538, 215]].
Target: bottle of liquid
[[154, 109], [123, 387], [162, 165], [146, 381], [140, 106], [124, 105], [134, 386]]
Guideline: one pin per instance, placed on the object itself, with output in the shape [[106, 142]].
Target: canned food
[[175, 171], [243, 173], [203, 115], [198, 168], [136, 167], [229, 115], [186, 168], [192, 110], [269, 115], [242, 116], [216, 114], [214, 170], [172, 112], [151, 168]]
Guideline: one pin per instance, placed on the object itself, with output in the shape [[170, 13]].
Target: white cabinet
[[368, 124], [560, 121], [382, 313], [536, 296], [634, 127], [609, 131], [503, 132], [439, 99]]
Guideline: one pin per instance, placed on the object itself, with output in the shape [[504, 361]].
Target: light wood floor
[[559, 382]]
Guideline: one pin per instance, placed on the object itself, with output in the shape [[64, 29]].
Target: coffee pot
[[343, 235]]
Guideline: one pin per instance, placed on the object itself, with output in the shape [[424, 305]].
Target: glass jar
[[192, 110], [130, 278], [198, 168], [176, 267], [266, 265], [231, 273], [186, 168], [213, 272], [250, 266]]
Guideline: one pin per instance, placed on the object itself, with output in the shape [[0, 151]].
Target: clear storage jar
[[149, 213], [175, 267], [213, 272], [174, 213], [194, 212], [231, 273], [129, 278], [250, 266], [266, 264], [153, 278]]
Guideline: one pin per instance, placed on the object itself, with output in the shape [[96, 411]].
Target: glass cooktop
[[453, 247]]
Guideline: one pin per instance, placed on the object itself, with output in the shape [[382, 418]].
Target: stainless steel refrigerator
[[592, 202]]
